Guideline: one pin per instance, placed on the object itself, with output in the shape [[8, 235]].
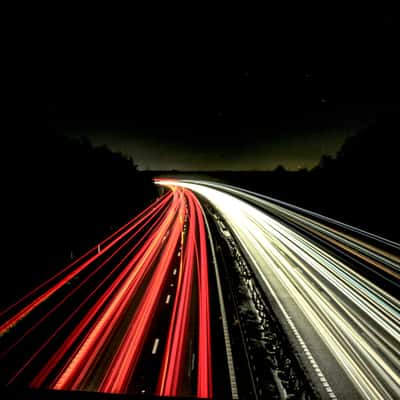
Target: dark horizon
[[241, 94], [213, 149]]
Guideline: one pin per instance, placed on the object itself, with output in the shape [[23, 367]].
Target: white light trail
[[357, 320]]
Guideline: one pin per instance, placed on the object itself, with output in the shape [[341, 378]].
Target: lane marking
[[155, 346], [296, 333], [174, 271], [193, 358], [168, 299]]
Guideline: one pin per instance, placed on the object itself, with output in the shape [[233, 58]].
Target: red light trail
[[194, 260], [125, 277]]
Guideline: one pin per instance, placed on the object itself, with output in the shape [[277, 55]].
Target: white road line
[[299, 338], [155, 346], [168, 299], [193, 358]]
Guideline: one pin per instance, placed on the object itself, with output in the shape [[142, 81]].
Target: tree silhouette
[[65, 195]]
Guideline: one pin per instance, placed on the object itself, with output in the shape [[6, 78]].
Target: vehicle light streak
[[204, 370], [57, 305], [75, 372], [358, 321], [82, 257], [110, 326], [385, 260], [171, 369], [41, 298], [194, 261], [71, 340], [124, 362]]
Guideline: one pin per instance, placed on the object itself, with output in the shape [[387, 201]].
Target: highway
[[214, 291], [333, 287], [136, 302]]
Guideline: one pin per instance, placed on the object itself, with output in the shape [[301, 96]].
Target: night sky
[[231, 89]]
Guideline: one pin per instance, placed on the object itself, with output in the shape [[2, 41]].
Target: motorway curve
[[137, 302], [344, 325]]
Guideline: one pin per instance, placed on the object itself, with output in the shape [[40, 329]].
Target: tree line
[[62, 195]]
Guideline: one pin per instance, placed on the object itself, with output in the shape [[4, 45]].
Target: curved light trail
[[194, 260], [357, 320], [122, 284], [95, 324]]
